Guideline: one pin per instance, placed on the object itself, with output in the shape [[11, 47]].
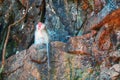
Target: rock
[[99, 19], [115, 54], [110, 73], [116, 67], [77, 45], [81, 57], [26, 65], [114, 71], [58, 45], [32, 64], [107, 27], [63, 63]]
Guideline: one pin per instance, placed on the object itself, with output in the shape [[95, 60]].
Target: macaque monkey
[[41, 37]]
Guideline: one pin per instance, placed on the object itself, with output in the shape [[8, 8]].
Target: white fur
[[41, 35]]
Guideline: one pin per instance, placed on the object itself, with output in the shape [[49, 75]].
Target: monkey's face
[[40, 26]]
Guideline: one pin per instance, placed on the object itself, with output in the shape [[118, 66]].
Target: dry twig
[[7, 37]]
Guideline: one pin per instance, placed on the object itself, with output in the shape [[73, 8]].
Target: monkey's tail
[[48, 59]]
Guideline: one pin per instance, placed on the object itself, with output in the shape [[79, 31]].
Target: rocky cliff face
[[80, 58], [85, 39]]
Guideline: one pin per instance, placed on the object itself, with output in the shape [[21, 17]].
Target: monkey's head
[[40, 26]]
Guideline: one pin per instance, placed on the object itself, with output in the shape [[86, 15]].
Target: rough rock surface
[[95, 55], [31, 64]]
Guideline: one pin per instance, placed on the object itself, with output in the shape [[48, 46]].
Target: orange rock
[[112, 25], [85, 5], [104, 40], [111, 19]]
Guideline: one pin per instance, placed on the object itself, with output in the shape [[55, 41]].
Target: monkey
[[42, 37], [41, 34]]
